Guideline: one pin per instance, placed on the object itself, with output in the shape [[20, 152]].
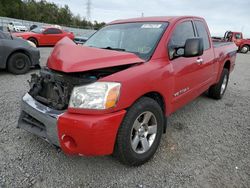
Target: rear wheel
[[140, 133], [244, 49], [217, 91], [34, 41], [18, 63]]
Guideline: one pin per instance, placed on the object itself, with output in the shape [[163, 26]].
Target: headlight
[[99, 95], [31, 44]]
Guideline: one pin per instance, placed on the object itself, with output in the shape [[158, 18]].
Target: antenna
[[88, 10], [242, 28]]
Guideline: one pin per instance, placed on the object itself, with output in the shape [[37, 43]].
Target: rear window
[[202, 32]]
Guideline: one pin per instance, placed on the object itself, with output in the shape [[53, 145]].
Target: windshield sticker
[[151, 26]]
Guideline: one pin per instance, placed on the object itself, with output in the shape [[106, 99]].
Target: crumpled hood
[[69, 57]]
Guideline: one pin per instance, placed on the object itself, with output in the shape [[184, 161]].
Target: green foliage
[[43, 11]]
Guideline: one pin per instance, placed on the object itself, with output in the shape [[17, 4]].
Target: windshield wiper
[[118, 49], [110, 48]]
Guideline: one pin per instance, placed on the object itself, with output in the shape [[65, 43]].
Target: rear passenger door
[[207, 66]]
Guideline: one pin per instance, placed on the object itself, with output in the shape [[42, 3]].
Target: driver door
[[237, 38], [51, 36]]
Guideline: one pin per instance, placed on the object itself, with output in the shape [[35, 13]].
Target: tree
[[43, 11]]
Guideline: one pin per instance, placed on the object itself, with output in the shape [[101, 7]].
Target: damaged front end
[[53, 88]]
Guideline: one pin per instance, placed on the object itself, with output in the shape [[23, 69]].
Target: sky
[[221, 15]]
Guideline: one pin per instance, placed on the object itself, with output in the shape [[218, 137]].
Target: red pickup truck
[[113, 94], [237, 38]]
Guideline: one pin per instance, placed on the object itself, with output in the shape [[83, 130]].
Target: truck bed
[[217, 44]]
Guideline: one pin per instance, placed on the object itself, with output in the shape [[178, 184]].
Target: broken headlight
[[99, 95]]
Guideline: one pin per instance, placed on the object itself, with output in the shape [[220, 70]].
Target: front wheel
[[244, 49], [218, 90], [140, 132]]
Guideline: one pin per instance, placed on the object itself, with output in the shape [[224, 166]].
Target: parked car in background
[[45, 36], [33, 27], [80, 40], [115, 93], [16, 27], [17, 55], [237, 38]]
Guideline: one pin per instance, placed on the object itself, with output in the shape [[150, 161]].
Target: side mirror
[[193, 47]]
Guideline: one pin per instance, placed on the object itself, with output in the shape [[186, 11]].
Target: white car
[[16, 27]]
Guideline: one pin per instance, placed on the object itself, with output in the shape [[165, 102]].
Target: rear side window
[[202, 32], [182, 32]]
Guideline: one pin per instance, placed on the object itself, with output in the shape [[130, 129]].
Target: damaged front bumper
[[39, 119], [78, 134]]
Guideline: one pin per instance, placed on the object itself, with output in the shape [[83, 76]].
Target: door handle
[[199, 61]]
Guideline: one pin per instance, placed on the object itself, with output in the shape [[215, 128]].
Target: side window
[[238, 36], [182, 32], [202, 32], [53, 31]]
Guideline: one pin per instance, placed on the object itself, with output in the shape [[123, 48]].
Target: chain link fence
[[77, 31]]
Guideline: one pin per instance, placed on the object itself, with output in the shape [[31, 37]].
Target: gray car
[[17, 55]]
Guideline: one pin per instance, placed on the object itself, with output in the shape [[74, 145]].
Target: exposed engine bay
[[53, 88]]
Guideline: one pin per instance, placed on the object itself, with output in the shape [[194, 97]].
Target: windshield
[[18, 24], [140, 38], [4, 35], [38, 30]]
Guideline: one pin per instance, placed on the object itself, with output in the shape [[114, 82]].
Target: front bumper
[[34, 56], [74, 133], [39, 119]]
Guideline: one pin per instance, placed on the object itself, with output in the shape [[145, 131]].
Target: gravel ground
[[207, 145]]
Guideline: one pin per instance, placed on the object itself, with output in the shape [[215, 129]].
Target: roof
[[153, 19]]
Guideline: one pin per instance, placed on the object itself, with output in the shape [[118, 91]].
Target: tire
[[244, 49], [18, 63], [218, 90], [34, 41], [146, 137]]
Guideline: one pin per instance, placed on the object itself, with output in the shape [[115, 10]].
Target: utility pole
[[88, 10]]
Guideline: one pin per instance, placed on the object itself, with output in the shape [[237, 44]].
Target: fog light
[[69, 142]]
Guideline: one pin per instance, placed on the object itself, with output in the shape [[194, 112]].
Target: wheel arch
[[245, 44], [34, 39], [18, 51], [158, 97], [227, 65]]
